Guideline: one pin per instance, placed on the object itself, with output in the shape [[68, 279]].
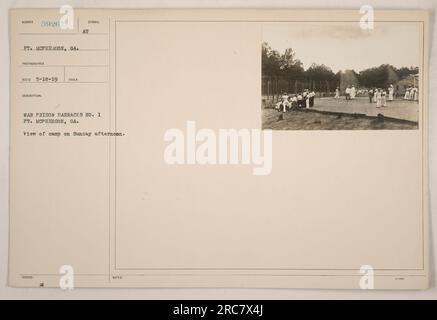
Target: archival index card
[[218, 148]]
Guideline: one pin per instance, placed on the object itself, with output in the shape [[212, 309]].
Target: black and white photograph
[[338, 76], [240, 153]]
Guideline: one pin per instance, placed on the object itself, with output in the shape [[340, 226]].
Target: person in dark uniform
[[370, 93]]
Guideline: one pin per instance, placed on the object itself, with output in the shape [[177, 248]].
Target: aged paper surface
[[122, 172]]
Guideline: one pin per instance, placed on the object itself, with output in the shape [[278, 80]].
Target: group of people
[[300, 100], [412, 93], [350, 92], [381, 96]]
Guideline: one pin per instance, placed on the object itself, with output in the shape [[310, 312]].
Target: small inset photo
[[337, 76]]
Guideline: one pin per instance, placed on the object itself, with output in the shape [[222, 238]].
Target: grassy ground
[[310, 120]]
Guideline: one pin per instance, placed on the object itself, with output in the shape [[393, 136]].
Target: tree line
[[285, 72]]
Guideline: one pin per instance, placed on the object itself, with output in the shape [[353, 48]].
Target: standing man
[[390, 93], [348, 93], [337, 93], [299, 100], [353, 92], [312, 95], [407, 94], [416, 94], [384, 98], [370, 93], [378, 98], [306, 97]]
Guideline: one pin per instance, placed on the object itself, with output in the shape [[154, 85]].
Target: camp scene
[[336, 76]]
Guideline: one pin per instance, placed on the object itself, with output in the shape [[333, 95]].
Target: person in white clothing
[[413, 93], [353, 92], [285, 102], [337, 93], [306, 98], [348, 93], [279, 106], [390, 93], [407, 94], [299, 100], [384, 98], [378, 98]]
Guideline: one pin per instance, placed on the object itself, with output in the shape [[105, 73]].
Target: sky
[[344, 45]]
